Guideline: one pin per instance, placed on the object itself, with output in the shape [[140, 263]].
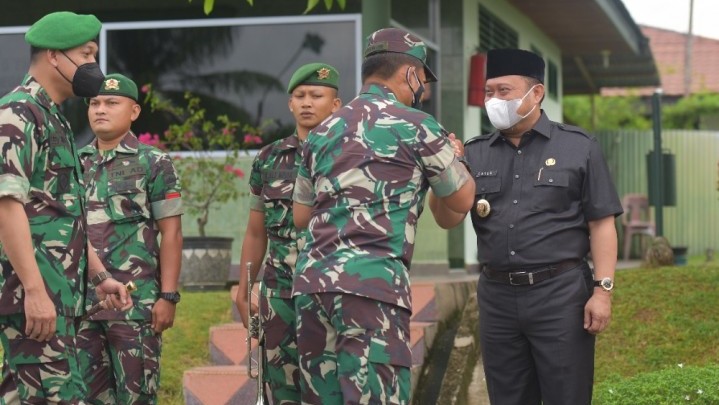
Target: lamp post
[[657, 162]]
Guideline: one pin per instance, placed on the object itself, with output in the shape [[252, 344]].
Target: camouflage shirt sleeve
[[304, 190], [256, 202], [164, 188], [18, 149], [444, 172]]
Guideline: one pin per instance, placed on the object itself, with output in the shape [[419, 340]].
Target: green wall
[[231, 220], [693, 221]]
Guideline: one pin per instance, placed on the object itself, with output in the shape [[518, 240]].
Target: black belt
[[529, 276]]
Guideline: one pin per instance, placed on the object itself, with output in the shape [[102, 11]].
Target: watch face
[[607, 284]]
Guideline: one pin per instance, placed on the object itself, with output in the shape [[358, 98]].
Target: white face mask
[[503, 113]]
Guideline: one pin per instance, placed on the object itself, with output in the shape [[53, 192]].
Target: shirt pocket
[[550, 193], [127, 203], [277, 197], [62, 185], [487, 185]]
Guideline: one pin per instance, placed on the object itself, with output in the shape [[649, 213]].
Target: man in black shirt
[[542, 189]]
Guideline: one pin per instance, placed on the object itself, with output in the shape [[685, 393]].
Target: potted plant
[[208, 171]]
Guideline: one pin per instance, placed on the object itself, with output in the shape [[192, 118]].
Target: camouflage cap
[[63, 30], [116, 84], [316, 74], [399, 41]]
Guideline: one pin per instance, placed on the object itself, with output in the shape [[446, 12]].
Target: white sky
[[674, 15]]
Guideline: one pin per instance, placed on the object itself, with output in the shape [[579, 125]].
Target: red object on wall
[[477, 75]]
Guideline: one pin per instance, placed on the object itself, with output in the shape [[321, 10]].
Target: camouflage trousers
[[353, 350], [40, 372], [120, 361]]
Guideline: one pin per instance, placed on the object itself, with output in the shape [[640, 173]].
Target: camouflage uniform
[[365, 172], [128, 189], [39, 167], [271, 185]]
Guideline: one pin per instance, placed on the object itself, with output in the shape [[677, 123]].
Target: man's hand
[[40, 315], [598, 312], [163, 315], [457, 145], [241, 303], [115, 295]]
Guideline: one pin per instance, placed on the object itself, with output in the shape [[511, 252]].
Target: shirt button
[[519, 152], [482, 189], [551, 180], [512, 253], [511, 226], [516, 176], [515, 201]]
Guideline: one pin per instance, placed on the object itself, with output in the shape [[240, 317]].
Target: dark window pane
[[14, 62], [552, 80], [412, 14], [495, 34], [241, 71]]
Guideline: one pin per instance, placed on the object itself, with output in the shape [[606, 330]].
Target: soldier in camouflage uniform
[[313, 97], [361, 187], [44, 253], [133, 196]]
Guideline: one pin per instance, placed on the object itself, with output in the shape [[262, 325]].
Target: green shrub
[[675, 385]]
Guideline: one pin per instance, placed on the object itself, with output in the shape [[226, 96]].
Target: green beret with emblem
[[63, 30], [116, 84], [399, 41], [315, 74]]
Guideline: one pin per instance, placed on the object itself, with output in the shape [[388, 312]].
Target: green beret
[[315, 74], [63, 30], [116, 84]]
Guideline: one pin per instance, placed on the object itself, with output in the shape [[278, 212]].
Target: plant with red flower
[[207, 179]]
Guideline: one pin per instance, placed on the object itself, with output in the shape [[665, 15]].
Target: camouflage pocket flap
[[386, 350]]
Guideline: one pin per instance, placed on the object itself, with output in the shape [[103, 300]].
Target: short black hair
[[34, 51], [386, 64]]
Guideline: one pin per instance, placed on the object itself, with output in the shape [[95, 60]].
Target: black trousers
[[534, 346]]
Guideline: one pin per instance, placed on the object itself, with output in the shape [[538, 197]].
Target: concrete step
[[226, 383], [218, 385], [228, 345]]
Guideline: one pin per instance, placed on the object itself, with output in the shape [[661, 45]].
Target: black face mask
[[87, 80], [416, 95]]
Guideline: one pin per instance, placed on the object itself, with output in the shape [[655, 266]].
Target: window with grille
[[493, 34]]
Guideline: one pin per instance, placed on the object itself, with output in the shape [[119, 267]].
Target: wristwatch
[[173, 297], [100, 277], [606, 283]]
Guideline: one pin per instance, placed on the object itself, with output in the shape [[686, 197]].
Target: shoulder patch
[[572, 128], [477, 138]]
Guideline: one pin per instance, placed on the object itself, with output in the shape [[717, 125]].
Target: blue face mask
[[416, 95]]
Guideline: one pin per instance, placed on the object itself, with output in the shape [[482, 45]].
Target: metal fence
[[694, 219]]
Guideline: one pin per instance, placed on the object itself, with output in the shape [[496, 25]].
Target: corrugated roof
[[669, 49]]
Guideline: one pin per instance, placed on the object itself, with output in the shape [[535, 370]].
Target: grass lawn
[[186, 344], [661, 318]]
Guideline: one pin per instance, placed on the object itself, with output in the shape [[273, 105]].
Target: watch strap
[[100, 277], [173, 297]]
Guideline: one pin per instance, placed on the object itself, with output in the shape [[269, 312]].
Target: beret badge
[[112, 84], [323, 73]]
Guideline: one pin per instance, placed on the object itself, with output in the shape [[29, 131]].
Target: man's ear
[[135, 112], [51, 56], [538, 92]]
